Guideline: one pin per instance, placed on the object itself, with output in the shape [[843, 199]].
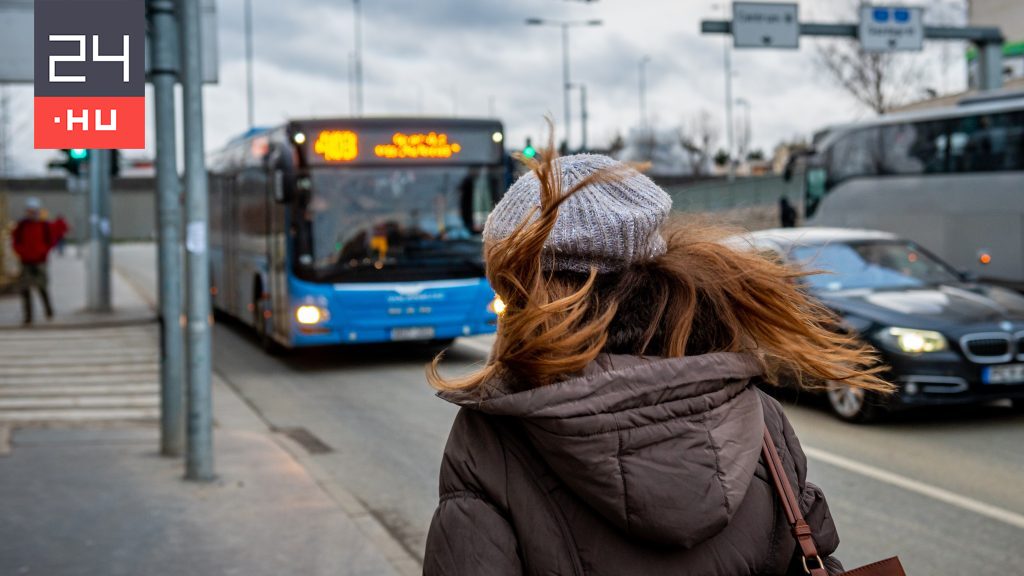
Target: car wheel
[[853, 404]]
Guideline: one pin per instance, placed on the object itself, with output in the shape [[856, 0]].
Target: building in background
[[1009, 16]]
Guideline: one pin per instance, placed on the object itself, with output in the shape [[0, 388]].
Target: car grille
[[988, 348]]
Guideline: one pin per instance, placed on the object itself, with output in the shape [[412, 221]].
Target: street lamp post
[[248, 63], [566, 83], [745, 135], [727, 63], [643, 92], [357, 17]]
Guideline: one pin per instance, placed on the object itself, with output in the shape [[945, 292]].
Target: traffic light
[[73, 159], [529, 151]]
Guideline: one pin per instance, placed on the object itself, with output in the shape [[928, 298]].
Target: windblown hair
[[700, 296]]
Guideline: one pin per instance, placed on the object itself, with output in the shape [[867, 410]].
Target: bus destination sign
[[372, 145]]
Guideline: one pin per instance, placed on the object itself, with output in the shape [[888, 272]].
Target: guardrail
[[718, 195]]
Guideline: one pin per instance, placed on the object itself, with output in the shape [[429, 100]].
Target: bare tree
[[879, 81], [699, 139]]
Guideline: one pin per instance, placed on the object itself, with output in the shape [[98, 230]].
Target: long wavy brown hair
[[700, 296]]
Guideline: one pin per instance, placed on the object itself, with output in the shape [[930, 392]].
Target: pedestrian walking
[[60, 230], [617, 427], [787, 213], [32, 240]]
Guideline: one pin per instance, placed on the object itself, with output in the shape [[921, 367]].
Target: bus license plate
[[418, 333], [1007, 374]]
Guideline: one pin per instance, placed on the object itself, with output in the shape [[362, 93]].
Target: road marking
[[934, 492], [77, 415]]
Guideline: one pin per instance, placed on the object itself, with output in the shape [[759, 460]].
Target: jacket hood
[[664, 448]]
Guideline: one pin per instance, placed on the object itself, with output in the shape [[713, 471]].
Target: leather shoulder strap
[[812, 562]]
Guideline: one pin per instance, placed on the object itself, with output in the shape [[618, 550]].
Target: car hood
[[934, 306]]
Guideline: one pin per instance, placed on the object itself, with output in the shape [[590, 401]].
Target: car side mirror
[[968, 276]]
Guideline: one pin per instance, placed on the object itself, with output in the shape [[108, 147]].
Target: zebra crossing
[[81, 375]]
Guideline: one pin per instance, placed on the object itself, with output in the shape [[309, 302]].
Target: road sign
[[890, 28], [765, 25]]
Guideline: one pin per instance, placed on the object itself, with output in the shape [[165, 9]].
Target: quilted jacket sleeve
[[470, 533], [469, 536], [812, 499]]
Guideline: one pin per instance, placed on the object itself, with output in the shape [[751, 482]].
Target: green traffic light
[[529, 152], [78, 153]]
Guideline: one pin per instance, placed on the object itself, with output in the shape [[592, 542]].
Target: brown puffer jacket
[[638, 466]]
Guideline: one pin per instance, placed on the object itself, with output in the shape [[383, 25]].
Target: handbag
[[812, 562]]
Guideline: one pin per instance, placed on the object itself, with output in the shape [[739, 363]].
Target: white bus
[[951, 179]]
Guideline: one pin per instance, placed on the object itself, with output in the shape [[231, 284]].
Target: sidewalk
[[84, 492], [68, 296]]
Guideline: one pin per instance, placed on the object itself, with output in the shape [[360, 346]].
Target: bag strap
[[812, 562]]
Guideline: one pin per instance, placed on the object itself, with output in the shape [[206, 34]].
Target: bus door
[[277, 263], [232, 297]]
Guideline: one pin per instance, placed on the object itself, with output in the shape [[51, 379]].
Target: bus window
[[858, 153], [988, 142], [915, 148]]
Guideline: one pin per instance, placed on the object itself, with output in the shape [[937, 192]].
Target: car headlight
[[309, 314], [912, 340], [497, 306]]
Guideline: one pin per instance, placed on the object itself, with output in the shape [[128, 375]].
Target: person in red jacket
[[33, 238]]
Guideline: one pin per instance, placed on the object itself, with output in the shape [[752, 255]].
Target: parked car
[[946, 338]]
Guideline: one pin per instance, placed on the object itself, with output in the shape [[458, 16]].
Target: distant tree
[[721, 157], [699, 139], [755, 155], [617, 144], [879, 81]]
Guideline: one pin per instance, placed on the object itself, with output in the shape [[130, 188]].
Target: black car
[[946, 338]]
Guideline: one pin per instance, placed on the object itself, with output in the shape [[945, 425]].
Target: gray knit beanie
[[608, 225]]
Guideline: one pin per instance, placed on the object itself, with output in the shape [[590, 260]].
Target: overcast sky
[[439, 57]]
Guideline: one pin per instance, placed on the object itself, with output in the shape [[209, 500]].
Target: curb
[[404, 562], [87, 323]]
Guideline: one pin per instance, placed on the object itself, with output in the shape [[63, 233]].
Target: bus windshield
[[388, 222], [874, 265]]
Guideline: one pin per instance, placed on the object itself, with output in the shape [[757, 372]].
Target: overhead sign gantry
[[881, 29]]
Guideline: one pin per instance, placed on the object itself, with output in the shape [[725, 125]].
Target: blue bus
[[356, 230]]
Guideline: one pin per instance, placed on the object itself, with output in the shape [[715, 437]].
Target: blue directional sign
[[891, 28]]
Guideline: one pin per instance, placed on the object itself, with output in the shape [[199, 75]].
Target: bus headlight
[[497, 306], [913, 341], [309, 314]]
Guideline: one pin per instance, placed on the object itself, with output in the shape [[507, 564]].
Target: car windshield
[[362, 221], [876, 265]]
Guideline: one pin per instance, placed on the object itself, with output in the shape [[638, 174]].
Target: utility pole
[[357, 14], [643, 92], [98, 285], [584, 116], [5, 119], [566, 83], [731, 166], [249, 97], [164, 74], [199, 433]]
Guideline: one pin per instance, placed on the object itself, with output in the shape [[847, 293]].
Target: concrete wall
[[133, 211]]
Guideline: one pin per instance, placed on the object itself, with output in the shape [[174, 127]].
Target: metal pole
[[248, 63], [565, 82], [358, 17], [731, 168], [168, 188], [643, 91], [199, 448], [990, 65], [98, 263], [583, 116]]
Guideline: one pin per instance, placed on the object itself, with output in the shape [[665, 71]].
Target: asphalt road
[[942, 489]]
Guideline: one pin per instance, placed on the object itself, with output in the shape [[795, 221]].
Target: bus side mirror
[[280, 193]]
